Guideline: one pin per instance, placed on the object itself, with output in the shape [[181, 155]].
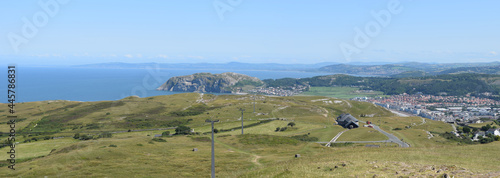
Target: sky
[[71, 32]]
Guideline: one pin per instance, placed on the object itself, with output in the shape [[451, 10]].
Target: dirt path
[[256, 160], [349, 104]]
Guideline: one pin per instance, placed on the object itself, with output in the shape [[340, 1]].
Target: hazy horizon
[[57, 32]]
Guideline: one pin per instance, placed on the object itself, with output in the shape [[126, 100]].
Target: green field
[[362, 134], [340, 92], [261, 152], [484, 124]]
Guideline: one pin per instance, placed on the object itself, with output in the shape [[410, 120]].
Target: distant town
[[468, 109], [280, 91]]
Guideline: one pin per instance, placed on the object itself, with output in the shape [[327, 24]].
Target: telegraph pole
[[253, 103], [241, 109], [213, 150]]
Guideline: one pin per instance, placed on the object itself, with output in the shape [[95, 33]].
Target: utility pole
[[241, 109], [253, 103], [213, 150]]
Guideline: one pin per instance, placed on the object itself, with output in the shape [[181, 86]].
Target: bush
[[305, 138], [106, 135], [277, 129], [112, 145], [182, 130], [283, 129], [451, 136], [291, 124], [466, 129], [397, 128], [159, 140], [165, 134], [216, 130]]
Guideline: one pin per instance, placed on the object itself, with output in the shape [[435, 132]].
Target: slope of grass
[[340, 92], [262, 152], [362, 134]]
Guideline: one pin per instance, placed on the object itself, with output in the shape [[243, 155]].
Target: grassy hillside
[[341, 92], [261, 152]]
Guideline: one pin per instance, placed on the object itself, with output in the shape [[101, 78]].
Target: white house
[[480, 133], [493, 131]]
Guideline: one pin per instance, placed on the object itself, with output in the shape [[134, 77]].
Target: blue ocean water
[[97, 84]]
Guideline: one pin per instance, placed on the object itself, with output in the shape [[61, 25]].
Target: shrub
[[305, 138], [283, 129], [112, 145], [277, 129], [105, 135], [76, 136], [159, 140], [182, 130], [291, 124], [165, 134]]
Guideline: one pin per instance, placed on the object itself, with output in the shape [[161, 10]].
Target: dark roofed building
[[347, 121]]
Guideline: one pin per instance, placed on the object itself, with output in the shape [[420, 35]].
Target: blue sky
[[253, 31]]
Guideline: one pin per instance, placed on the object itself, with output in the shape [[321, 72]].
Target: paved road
[[392, 138], [335, 138]]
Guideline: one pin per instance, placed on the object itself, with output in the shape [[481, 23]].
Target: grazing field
[[341, 92], [479, 125], [263, 151]]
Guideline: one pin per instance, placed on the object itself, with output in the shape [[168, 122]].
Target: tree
[[466, 129], [485, 128], [291, 124], [182, 130]]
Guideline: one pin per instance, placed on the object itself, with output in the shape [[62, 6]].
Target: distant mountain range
[[413, 69], [230, 65], [397, 70]]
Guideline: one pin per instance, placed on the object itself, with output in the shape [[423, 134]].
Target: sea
[[98, 84]]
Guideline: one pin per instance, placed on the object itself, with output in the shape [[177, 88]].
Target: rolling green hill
[[408, 69], [261, 152]]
